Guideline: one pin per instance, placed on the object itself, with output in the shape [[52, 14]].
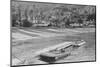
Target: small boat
[[60, 52]]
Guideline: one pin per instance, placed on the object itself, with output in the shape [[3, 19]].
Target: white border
[[5, 33]]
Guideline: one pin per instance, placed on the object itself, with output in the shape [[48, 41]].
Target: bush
[[26, 23]]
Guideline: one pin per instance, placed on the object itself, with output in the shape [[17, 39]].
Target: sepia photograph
[[52, 33]]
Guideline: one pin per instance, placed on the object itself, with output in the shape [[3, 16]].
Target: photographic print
[[52, 33]]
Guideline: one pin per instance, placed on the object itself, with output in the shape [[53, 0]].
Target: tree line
[[26, 15]]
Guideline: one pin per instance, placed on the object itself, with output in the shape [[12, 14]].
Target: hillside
[[51, 12]]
